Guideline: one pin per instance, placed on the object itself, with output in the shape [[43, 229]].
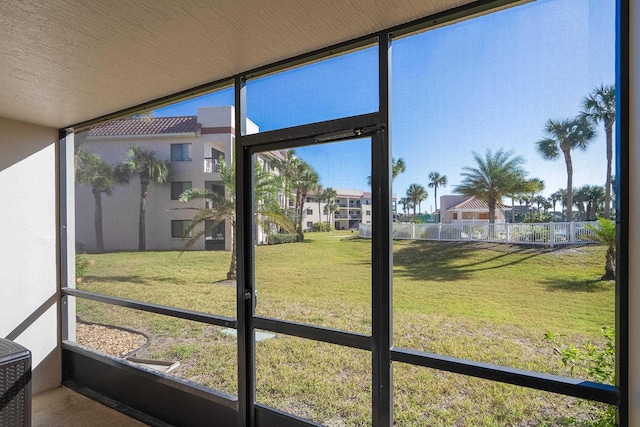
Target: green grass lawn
[[487, 302]]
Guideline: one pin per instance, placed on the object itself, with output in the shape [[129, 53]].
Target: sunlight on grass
[[485, 302]]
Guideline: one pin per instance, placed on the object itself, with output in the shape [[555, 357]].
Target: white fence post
[[572, 231]]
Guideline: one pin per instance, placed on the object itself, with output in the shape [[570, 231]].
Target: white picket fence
[[550, 233]]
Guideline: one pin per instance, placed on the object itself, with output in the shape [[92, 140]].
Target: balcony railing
[[211, 165]]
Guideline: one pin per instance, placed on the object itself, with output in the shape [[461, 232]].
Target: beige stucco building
[[194, 146], [457, 209]]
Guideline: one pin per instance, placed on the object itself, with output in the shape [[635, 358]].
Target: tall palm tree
[[102, 178], [287, 167], [562, 137], [320, 197], [553, 199], [561, 196], [595, 195], [436, 180], [540, 200], [149, 169], [495, 176], [267, 209], [330, 197], [417, 194], [397, 167], [600, 107], [404, 202], [580, 197], [303, 180], [533, 186]]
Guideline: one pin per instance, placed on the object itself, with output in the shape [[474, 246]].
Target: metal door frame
[[349, 128]]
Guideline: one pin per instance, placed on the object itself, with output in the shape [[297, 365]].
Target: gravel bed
[[113, 341]]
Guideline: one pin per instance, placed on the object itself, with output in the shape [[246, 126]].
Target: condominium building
[[353, 207], [194, 146]]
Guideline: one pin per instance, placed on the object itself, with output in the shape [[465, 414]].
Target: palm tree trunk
[[435, 196], [513, 212], [328, 217], [607, 190], [492, 211], [300, 204], [97, 220], [610, 266], [569, 164], [142, 243], [233, 265]]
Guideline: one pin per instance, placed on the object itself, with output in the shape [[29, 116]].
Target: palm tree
[[417, 194], [580, 197], [541, 201], [404, 202], [397, 167], [533, 186], [320, 197], [600, 106], [495, 176], [149, 169], [561, 196], [562, 137], [102, 178], [331, 207], [287, 167], [303, 180], [436, 180], [553, 199], [605, 234], [595, 195], [267, 209]]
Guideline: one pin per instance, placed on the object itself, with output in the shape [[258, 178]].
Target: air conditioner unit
[[15, 384]]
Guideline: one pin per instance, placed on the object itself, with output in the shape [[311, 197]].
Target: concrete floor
[[63, 407]]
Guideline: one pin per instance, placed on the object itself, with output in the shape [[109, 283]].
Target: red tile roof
[[147, 126], [473, 204]]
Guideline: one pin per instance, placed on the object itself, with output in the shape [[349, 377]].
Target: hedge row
[[276, 239]]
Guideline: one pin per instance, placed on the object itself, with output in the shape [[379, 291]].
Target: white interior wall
[[28, 274]]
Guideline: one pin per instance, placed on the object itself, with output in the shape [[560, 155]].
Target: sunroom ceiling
[[66, 61]]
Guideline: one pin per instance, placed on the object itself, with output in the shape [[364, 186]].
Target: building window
[[368, 213], [179, 228], [309, 211], [309, 225], [180, 152], [179, 187]]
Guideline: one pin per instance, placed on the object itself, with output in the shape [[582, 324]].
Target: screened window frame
[[380, 341]]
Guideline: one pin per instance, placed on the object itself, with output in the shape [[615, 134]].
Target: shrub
[[538, 217], [279, 238], [82, 266], [325, 226], [599, 364]]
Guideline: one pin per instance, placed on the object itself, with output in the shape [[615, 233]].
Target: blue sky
[[485, 83]]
